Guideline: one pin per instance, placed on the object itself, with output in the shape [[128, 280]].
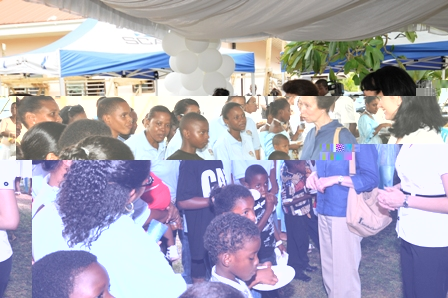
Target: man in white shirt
[[344, 112]]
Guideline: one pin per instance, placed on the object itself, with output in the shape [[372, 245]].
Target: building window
[[29, 90], [85, 88], [144, 87]]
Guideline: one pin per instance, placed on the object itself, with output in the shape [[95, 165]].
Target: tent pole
[[61, 86], [252, 82], [157, 87]]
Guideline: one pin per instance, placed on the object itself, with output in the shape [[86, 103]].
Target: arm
[[273, 179], [9, 212], [352, 128], [381, 126], [268, 207], [392, 198], [194, 203]]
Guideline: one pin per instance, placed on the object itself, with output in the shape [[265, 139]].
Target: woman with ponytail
[[97, 148], [93, 213]]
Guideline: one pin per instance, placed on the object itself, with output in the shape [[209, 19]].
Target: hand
[[266, 276], [325, 182], [174, 216], [271, 201], [391, 198], [311, 181], [282, 248]]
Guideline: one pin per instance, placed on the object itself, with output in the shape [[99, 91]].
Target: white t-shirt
[[239, 285], [344, 111], [141, 148], [420, 167], [38, 179], [420, 136], [135, 264], [46, 195], [7, 178]]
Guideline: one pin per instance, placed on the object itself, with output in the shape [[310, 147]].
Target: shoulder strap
[[336, 135], [352, 165]]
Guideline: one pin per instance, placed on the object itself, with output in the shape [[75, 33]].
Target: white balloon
[[213, 80], [173, 82], [196, 46], [192, 81], [230, 88], [173, 64], [186, 62], [227, 66], [214, 44], [173, 43], [210, 60]]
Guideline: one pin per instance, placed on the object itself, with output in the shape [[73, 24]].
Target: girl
[[150, 143], [235, 143], [41, 141], [367, 125], [92, 213]]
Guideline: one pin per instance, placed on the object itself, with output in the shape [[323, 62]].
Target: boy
[[196, 180], [194, 131], [116, 113], [233, 242], [280, 143], [296, 204], [257, 178], [279, 155]]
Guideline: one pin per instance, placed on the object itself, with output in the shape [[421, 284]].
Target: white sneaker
[[172, 254]]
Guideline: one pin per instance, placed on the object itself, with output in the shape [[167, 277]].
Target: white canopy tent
[[236, 20]]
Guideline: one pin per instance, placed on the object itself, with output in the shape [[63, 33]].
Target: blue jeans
[[186, 257]]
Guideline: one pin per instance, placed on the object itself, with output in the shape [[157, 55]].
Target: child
[[115, 113], [239, 200], [194, 131], [278, 155], [280, 143], [233, 242], [196, 180], [157, 196], [296, 204]]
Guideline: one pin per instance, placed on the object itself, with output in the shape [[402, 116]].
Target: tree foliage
[[360, 57]]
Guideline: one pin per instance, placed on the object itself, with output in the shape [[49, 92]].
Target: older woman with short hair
[[315, 110]]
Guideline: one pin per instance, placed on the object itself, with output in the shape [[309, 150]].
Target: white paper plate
[[284, 274]]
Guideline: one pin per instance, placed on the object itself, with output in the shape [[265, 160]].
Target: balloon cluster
[[199, 68]]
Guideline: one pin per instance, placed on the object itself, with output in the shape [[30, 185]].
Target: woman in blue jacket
[[341, 249]]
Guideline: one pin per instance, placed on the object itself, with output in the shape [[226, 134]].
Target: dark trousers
[[5, 270], [298, 241], [424, 271], [313, 229]]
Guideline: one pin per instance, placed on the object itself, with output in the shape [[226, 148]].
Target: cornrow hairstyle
[[68, 112], [227, 107], [224, 198], [277, 105], [97, 148], [253, 170], [30, 104], [157, 109], [182, 105], [81, 129], [94, 195], [41, 140], [228, 233], [107, 106], [417, 112], [54, 275]]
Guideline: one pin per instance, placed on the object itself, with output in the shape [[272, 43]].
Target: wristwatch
[[405, 203], [340, 180]]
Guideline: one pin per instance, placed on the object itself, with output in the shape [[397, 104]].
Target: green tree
[[361, 57]]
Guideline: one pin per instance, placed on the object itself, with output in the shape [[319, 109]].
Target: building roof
[[21, 12]]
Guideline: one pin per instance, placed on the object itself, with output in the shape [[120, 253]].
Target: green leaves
[[361, 56]]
